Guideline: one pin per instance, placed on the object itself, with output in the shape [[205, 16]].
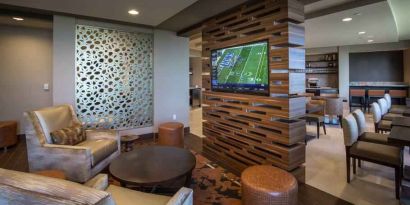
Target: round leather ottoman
[[171, 134], [8, 134], [265, 185]]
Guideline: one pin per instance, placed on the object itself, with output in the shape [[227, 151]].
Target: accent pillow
[[68, 136]]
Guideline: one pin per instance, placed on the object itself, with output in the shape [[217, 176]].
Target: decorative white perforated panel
[[114, 78]]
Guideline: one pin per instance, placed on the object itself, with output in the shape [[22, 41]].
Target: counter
[[321, 90], [380, 84]]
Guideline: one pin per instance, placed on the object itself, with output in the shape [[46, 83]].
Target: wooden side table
[[8, 134], [51, 173], [127, 142]]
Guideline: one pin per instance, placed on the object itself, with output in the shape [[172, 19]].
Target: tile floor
[[326, 167]]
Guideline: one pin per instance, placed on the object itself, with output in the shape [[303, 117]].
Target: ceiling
[[375, 19], [32, 22], [152, 12]]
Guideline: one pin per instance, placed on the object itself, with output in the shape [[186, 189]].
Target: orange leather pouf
[[266, 185], [171, 134], [8, 134]]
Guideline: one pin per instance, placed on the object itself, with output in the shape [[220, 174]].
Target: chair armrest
[[183, 197], [97, 134], [57, 146], [99, 182]]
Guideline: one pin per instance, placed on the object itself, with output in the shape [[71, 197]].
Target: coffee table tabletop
[[153, 165]]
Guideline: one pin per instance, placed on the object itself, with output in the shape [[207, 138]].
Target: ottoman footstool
[[266, 185]]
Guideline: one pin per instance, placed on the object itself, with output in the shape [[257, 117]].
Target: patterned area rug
[[214, 185]]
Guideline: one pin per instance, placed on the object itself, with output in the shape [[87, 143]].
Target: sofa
[[80, 162], [19, 188]]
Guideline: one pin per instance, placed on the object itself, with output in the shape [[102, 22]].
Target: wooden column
[[246, 130]]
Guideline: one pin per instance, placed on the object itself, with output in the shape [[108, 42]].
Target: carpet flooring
[[212, 184]]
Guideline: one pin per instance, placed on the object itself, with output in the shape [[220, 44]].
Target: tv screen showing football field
[[241, 68]]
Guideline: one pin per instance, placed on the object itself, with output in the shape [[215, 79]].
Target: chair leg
[[354, 165], [359, 163], [347, 165], [324, 128], [397, 180], [317, 129]]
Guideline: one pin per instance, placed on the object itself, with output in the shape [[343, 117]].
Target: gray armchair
[[80, 162], [19, 188]]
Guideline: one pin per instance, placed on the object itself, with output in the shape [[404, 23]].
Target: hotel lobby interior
[[219, 102]]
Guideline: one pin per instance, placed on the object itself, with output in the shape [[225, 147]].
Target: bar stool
[[371, 95], [358, 94], [399, 94]]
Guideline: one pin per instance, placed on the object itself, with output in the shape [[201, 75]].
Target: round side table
[[127, 142]]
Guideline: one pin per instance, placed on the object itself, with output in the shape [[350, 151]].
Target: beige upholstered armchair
[[79, 162], [19, 188]]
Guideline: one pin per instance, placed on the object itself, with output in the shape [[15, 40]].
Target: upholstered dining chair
[[380, 125], [80, 162], [334, 107], [386, 155], [362, 129], [385, 110], [397, 109]]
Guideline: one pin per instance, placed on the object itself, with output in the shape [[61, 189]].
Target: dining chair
[[380, 125], [397, 109], [363, 134], [334, 107], [386, 155], [385, 110]]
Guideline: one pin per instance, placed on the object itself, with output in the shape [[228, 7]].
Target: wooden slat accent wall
[[245, 130]]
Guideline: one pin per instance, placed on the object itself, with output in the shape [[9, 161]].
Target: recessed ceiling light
[[133, 12], [18, 18], [347, 19], [370, 41], [362, 32]]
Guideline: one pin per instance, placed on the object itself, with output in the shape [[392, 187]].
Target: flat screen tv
[[241, 69]]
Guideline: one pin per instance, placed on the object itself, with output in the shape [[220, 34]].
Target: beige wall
[[171, 70], [25, 65]]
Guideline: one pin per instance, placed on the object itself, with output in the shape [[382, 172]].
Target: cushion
[[377, 113], [100, 149], [361, 121], [54, 118], [182, 197], [125, 196], [383, 105], [68, 136], [374, 137], [385, 125], [350, 130], [387, 97], [20, 188], [377, 152], [391, 116]]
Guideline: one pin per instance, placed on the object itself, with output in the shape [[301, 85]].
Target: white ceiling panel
[[375, 19]]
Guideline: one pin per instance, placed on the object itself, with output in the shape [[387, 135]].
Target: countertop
[[380, 84], [321, 88]]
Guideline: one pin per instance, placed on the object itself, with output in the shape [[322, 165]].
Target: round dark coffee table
[[153, 165]]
